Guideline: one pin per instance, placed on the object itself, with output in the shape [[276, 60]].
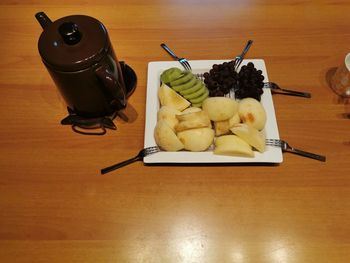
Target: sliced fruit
[[252, 112], [196, 140], [251, 135], [192, 120], [168, 114], [221, 127], [198, 85], [191, 109], [196, 94], [185, 77], [184, 86], [219, 108], [197, 105], [232, 145], [201, 98], [193, 116], [166, 138], [235, 119], [169, 97], [170, 74]]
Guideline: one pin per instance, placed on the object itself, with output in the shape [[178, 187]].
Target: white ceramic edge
[[271, 155], [347, 61]]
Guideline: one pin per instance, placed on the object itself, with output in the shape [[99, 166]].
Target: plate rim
[[186, 157]]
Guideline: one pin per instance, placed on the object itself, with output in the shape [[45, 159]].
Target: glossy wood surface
[[55, 208]]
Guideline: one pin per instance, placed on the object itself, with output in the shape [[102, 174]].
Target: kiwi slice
[[196, 94], [170, 75], [196, 87], [185, 86], [186, 76], [200, 98]]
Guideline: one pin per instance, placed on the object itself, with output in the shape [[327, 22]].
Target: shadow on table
[[338, 99]]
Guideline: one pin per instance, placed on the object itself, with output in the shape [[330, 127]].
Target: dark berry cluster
[[250, 82], [223, 78]]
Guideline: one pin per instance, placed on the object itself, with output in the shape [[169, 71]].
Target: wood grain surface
[[55, 208]]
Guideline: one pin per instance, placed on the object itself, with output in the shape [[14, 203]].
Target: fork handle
[[297, 93], [309, 155], [246, 48], [239, 58], [119, 165], [167, 49]]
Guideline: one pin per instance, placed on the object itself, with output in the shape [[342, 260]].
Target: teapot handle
[[112, 87]]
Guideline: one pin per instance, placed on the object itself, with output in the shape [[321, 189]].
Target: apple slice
[[252, 112], [232, 145], [196, 140], [221, 127], [166, 138], [191, 109], [192, 120], [169, 115], [220, 108], [169, 97], [235, 119], [251, 135], [193, 116]]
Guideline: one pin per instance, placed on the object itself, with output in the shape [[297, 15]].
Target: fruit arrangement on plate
[[195, 116]]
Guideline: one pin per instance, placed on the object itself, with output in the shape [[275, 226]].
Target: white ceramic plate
[[271, 155]]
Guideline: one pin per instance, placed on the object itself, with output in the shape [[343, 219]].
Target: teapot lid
[[73, 43]]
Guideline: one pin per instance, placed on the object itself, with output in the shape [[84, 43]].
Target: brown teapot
[[78, 54]]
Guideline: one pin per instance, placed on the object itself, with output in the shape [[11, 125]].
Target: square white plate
[[271, 155]]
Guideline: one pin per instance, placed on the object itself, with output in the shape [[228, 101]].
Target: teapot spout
[[43, 19]]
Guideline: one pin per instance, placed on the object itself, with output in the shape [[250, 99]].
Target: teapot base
[[89, 125]]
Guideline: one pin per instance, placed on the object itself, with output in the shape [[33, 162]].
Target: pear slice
[[232, 145], [252, 112], [235, 119], [169, 115], [191, 109], [169, 97], [192, 120], [221, 127], [166, 138], [220, 108], [196, 140], [193, 115], [251, 135]]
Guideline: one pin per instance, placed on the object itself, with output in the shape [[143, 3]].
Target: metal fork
[[183, 61], [143, 153], [238, 60], [276, 89], [287, 148]]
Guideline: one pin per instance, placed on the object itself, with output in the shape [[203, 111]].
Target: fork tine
[[200, 76], [274, 142], [185, 64], [188, 64], [151, 150]]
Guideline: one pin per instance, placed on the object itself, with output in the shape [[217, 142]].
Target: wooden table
[[55, 208]]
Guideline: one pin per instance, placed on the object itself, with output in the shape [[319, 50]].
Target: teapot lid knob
[[70, 33]]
